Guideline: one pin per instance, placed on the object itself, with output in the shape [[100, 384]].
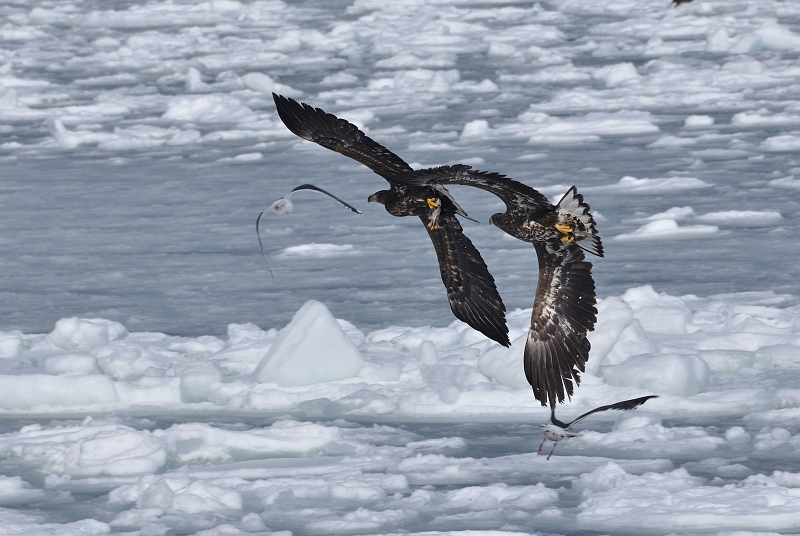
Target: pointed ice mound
[[311, 349]]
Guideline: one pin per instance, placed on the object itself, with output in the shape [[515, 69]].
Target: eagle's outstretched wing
[[563, 312], [516, 195], [338, 135], [471, 290]]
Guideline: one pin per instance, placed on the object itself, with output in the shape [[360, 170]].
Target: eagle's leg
[[551, 450], [567, 231], [435, 207]]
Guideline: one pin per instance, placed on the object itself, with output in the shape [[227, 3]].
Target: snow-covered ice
[[155, 380], [398, 428]]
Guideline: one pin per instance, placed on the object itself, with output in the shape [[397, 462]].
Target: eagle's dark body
[[471, 289], [564, 308]]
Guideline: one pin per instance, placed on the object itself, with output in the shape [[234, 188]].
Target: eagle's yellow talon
[[433, 202], [432, 226], [567, 239], [563, 228]]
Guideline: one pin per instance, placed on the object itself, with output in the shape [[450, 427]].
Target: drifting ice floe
[[709, 357]]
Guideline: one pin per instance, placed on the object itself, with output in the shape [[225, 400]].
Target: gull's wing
[[471, 290], [563, 312], [320, 190], [314, 124], [513, 193], [624, 405]]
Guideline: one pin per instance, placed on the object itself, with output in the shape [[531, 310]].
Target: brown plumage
[[471, 289], [564, 308]]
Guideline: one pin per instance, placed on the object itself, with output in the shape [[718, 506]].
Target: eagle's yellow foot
[[566, 229], [432, 225], [433, 202], [567, 239]]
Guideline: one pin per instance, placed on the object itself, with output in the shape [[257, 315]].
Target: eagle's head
[[379, 197]]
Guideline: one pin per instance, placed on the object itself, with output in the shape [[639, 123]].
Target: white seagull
[[556, 430], [284, 207]]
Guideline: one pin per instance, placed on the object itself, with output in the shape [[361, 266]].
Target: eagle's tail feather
[[573, 207]]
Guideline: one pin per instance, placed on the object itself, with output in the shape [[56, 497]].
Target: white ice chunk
[[718, 41], [630, 184], [89, 449], [200, 347], [675, 213], [613, 477], [742, 218], [15, 491], [85, 333], [781, 143], [428, 355], [312, 348], [39, 390], [786, 182], [406, 60], [339, 80], [504, 365], [658, 313], [621, 74], [194, 82], [476, 130], [238, 333], [216, 108], [71, 364], [675, 502], [632, 341], [613, 316], [318, 251], [668, 229], [13, 343], [736, 435], [727, 360], [265, 84], [493, 496], [698, 121], [776, 37], [636, 419], [197, 380], [670, 374], [177, 494]]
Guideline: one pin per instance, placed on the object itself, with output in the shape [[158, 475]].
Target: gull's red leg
[[551, 450]]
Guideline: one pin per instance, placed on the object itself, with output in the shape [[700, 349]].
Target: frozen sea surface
[[145, 386], [321, 428]]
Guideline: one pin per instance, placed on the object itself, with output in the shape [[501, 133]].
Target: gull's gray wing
[[314, 124], [471, 289], [624, 405], [514, 194], [563, 312], [320, 190]]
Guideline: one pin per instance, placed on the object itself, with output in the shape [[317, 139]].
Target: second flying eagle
[[471, 289], [564, 308]]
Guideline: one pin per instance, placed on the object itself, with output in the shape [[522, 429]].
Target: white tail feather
[[572, 207]]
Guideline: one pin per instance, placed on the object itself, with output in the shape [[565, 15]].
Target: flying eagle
[[564, 308], [471, 289], [556, 430]]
